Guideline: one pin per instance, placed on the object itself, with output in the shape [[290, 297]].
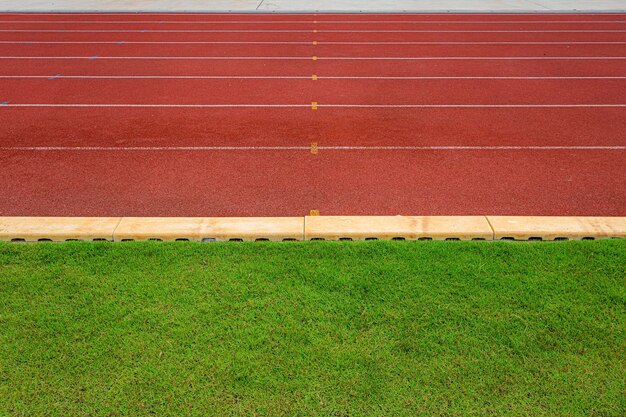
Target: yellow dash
[[314, 77], [315, 21], [314, 105], [314, 213], [314, 30], [314, 58], [314, 149], [314, 42]]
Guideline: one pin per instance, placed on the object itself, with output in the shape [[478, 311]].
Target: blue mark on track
[[54, 76]]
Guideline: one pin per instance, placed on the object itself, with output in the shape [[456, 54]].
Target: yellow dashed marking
[[314, 58], [314, 77], [314, 42], [314, 149], [314, 105], [314, 213], [315, 21], [314, 30]]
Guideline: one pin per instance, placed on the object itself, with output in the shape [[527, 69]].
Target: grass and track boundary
[[33, 229]]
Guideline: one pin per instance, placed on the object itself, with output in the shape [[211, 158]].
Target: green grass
[[313, 329]]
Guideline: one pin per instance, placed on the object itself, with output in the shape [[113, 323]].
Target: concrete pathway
[[317, 5]]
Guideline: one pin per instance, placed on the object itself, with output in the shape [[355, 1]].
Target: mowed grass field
[[313, 329]]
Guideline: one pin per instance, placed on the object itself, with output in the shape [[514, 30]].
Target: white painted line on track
[[318, 14], [310, 21], [307, 77], [153, 105], [327, 58], [308, 148], [298, 31], [426, 58], [67, 105], [467, 105], [294, 43]]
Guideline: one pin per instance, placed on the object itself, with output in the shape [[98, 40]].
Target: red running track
[[212, 114]]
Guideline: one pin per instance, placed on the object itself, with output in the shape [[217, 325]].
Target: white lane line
[[312, 14], [307, 77], [426, 58], [272, 22], [300, 31], [468, 105], [293, 43], [166, 77], [472, 148], [8, 104], [308, 148], [327, 58], [66, 105]]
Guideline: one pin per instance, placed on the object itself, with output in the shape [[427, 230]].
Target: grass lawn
[[313, 329]]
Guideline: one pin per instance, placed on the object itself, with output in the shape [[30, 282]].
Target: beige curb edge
[[33, 229]]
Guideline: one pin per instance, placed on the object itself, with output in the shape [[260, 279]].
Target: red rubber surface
[[54, 161]]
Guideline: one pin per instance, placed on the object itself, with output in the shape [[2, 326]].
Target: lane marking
[[314, 148], [314, 105], [158, 105], [305, 43], [301, 31], [310, 148], [318, 77], [469, 105], [315, 58], [248, 14], [379, 14], [471, 148], [252, 22], [314, 213], [54, 76]]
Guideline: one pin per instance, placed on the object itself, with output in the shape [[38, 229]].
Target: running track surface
[[214, 114]]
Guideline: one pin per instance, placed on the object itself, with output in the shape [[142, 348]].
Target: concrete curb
[[58, 229], [398, 227], [210, 228]]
